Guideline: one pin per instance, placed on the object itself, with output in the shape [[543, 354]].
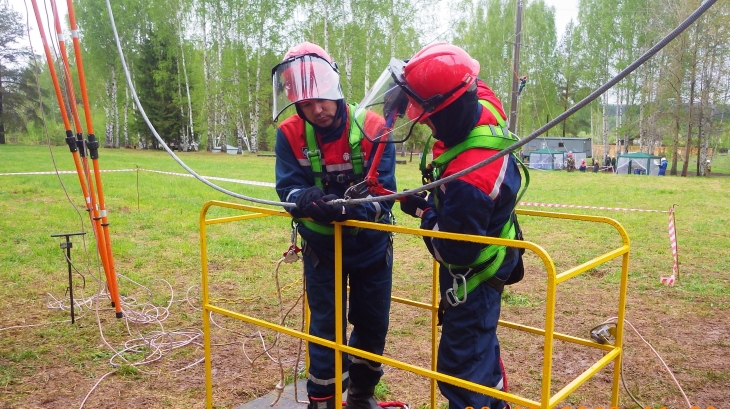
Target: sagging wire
[[152, 345], [614, 320], [142, 112], [395, 196], [585, 101]]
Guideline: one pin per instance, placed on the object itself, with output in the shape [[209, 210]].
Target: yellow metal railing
[[613, 353]]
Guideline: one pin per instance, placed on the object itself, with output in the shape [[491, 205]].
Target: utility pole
[[516, 70]]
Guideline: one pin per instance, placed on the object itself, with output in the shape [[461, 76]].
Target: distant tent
[[547, 159], [551, 158], [638, 163]]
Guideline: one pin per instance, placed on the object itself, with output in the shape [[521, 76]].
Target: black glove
[[308, 195], [324, 213], [415, 205]]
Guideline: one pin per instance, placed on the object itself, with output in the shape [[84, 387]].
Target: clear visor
[[302, 78], [387, 101]]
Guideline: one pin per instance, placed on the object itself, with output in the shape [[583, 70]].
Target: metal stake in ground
[[68, 245]]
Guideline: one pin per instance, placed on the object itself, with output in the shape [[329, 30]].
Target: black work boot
[[361, 397], [322, 403]]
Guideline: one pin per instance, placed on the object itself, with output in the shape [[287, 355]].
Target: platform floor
[[286, 401]]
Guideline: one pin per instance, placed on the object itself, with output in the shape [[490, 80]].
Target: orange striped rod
[[70, 140], [93, 146]]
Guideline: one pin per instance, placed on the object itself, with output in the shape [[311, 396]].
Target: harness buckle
[[341, 178], [451, 293]]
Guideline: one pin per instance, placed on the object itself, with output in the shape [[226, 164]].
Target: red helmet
[[438, 74], [307, 48], [306, 72]]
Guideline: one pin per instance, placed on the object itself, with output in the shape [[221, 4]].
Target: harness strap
[[314, 154]]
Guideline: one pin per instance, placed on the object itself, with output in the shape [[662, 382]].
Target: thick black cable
[[595, 94]]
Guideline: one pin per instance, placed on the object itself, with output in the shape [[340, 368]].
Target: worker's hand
[[307, 196], [415, 205], [322, 212]]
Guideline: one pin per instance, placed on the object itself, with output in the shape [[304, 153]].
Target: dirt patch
[[687, 334]]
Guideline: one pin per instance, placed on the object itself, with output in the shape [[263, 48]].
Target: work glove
[[415, 205], [308, 195], [324, 213]]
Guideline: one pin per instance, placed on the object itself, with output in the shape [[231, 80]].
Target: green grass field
[[154, 223]]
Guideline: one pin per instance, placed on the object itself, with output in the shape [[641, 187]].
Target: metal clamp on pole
[[68, 245]]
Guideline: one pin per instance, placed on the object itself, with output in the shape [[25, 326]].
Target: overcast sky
[[564, 11]]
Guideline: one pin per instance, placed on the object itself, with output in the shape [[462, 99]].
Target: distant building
[[575, 145]]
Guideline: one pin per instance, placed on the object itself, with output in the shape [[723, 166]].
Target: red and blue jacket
[[294, 174], [478, 203]]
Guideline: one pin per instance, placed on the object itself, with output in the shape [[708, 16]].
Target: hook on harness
[[293, 253]]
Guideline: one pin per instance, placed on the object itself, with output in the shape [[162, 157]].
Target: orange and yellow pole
[[93, 146]]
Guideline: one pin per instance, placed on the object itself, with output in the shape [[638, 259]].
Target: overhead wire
[[349, 201]]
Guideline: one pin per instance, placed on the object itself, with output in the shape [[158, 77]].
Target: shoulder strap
[[355, 137], [483, 136]]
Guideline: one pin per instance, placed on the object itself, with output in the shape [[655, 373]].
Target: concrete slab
[[285, 402]]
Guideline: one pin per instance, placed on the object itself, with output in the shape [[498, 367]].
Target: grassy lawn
[[151, 357]]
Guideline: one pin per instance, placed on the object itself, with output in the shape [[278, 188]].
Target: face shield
[[386, 102], [302, 78]]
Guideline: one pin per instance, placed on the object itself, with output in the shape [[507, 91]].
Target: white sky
[[48, 25], [564, 11]]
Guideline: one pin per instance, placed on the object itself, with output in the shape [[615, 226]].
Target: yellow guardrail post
[[613, 353]]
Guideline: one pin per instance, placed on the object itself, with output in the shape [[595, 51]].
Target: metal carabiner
[[452, 292]]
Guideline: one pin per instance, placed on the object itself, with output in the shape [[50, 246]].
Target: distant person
[[582, 167], [570, 162], [613, 164], [596, 165], [707, 168], [663, 167]]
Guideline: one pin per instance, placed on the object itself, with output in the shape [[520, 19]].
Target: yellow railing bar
[[556, 335], [583, 377], [613, 352]]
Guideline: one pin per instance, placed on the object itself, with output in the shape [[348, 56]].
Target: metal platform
[[286, 401]]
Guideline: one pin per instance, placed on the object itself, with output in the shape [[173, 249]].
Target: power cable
[[595, 94]]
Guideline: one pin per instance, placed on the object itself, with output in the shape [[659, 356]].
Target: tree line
[[202, 69]]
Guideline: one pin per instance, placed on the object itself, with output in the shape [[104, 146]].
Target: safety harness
[[483, 269], [322, 178]]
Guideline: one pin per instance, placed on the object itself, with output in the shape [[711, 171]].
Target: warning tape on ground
[[65, 172], [588, 207]]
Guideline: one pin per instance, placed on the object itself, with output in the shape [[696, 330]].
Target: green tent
[[547, 158], [553, 159], [638, 163]]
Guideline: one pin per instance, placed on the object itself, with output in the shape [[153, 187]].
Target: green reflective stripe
[[313, 153], [423, 165], [354, 138], [527, 180], [498, 252], [500, 121], [316, 227]]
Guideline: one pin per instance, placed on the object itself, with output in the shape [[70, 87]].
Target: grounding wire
[[595, 94], [585, 101], [157, 136]]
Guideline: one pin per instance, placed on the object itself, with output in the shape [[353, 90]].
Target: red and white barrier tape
[[63, 172], [669, 281], [588, 207]]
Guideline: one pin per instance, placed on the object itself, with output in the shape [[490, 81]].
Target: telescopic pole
[[93, 146], [102, 241]]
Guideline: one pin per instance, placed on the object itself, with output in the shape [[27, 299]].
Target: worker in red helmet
[[320, 153], [469, 124]]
